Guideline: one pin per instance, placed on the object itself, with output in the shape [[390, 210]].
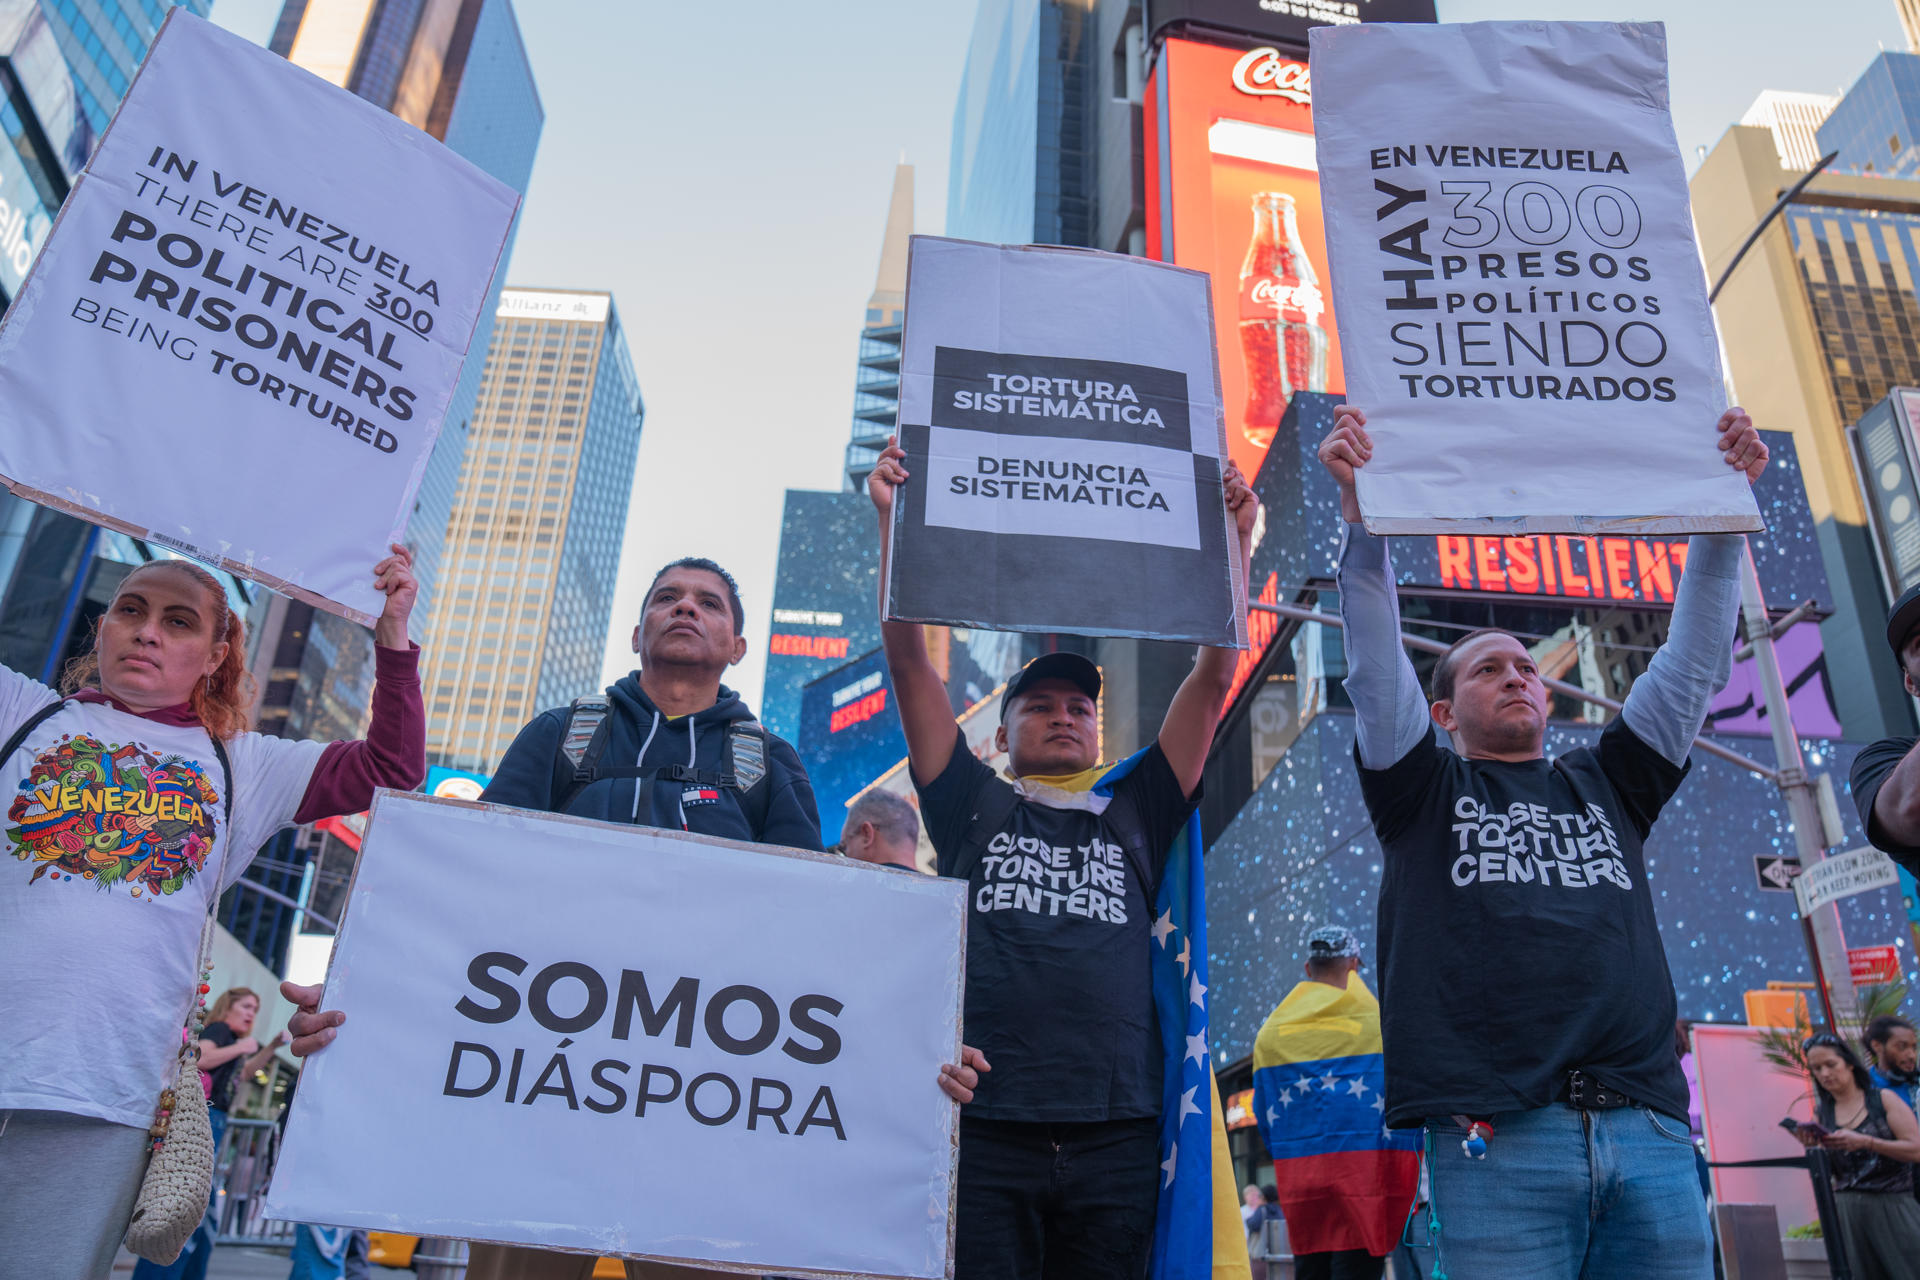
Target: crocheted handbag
[[179, 1179]]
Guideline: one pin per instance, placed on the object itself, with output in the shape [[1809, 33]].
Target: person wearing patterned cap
[[1345, 1180]]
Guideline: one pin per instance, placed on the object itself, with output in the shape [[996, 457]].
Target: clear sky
[[724, 170]]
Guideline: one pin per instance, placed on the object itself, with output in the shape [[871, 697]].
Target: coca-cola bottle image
[[1280, 306]]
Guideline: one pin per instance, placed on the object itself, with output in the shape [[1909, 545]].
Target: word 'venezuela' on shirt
[[1528, 844], [1025, 873]]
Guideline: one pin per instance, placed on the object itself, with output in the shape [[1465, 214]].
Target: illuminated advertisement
[[1886, 445], [1232, 190], [849, 735], [24, 221], [455, 784], [824, 599], [1280, 19]]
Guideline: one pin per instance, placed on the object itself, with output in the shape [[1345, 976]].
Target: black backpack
[[743, 763]]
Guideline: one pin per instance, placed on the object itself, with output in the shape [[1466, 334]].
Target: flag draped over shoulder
[[1345, 1180], [1194, 1238]]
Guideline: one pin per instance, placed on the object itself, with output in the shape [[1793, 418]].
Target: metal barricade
[[241, 1169]]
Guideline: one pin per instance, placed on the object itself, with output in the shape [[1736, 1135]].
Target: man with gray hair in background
[[884, 829]]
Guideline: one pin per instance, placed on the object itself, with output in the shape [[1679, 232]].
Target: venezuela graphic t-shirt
[[116, 839]]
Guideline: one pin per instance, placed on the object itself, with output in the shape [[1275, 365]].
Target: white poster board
[[1521, 303], [1060, 411], [592, 1037], [244, 330]]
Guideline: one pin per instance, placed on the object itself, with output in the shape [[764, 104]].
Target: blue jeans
[[1569, 1195], [193, 1260]]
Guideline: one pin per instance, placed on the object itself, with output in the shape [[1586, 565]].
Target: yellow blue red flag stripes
[[1186, 1245], [1346, 1181]]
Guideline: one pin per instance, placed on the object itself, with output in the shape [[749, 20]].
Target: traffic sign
[[1775, 871], [1874, 964], [1842, 876]]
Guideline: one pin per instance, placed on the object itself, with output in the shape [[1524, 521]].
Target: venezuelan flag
[[1346, 1181], [1197, 1228]]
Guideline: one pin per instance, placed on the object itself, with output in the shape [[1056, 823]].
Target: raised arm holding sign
[[1503, 861], [1064, 862], [1521, 302]]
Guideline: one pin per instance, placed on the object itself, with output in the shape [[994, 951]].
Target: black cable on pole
[[1785, 200]]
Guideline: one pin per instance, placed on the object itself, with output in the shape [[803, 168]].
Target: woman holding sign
[[133, 802]]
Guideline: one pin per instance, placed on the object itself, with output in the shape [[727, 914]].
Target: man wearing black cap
[[1886, 776], [1059, 1161]]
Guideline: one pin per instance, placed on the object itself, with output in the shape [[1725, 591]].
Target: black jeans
[[1346, 1264], [1056, 1201]]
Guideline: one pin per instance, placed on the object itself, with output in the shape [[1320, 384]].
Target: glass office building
[[876, 393], [1876, 126], [1022, 157], [533, 543]]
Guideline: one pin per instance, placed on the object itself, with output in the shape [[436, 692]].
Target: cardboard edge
[[1577, 526]]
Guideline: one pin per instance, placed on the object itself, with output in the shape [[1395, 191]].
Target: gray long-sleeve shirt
[[1665, 708]]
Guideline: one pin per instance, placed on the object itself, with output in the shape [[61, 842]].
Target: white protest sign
[[1842, 876], [1060, 410], [582, 1036], [244, 330], [1521, 303]]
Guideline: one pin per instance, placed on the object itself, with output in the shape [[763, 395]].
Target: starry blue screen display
[[849, 735]]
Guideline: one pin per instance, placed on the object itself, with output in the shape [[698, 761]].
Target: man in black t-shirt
[[1527, 1008], [1886, 775], [1059, 1160]]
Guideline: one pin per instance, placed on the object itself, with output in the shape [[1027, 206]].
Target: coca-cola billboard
[[1232, 190], [1276, 19]]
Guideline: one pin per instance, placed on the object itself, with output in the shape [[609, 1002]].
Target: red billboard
[[1232, 190]]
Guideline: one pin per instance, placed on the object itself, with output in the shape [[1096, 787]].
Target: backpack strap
[[226, 775], [589, 721], [27, 726], [744, 760], [1124, 817]]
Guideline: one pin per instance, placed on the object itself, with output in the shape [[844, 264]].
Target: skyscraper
[[1819, 323], [1876, 125], [533, 541], [1794, 119], [1024, 126], [876, 393], [457, 70]]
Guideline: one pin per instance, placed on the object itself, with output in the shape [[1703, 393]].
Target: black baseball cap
[[1053, 666], [1904, 618]]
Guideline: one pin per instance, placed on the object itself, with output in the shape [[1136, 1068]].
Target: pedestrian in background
[[228, 1053], [882, 829], [1872, 1143]]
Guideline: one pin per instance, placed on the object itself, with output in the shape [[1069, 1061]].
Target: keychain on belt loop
[[1474, 1145]]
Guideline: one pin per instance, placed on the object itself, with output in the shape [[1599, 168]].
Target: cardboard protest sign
[[1060, 411], [578, 1034], [1521, 303], [244, 330]]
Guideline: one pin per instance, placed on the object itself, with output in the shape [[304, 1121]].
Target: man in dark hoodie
[[669, 745]]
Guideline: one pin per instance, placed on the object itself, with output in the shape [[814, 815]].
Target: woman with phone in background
[[1873, 1142]]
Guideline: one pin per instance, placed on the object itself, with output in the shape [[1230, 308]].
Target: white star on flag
[[1163, 926], [1186, 955], [1188, 1107], [1170, 1163], [1195, 990], [1329, 1082], [1286, 1095], [1358, 1088], [1273, 1117], [1303, 1086], [1196, 1049], [1380, 1102]]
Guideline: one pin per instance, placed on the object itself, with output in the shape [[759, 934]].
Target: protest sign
[[581, 1035], [1521, 303], [247, 322], [1060, 411]]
